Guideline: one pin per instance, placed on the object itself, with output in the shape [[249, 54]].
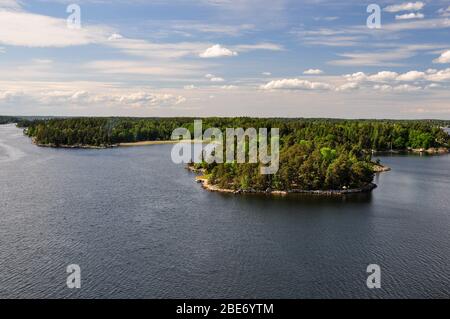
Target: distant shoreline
[[132, 144], [167, 142]]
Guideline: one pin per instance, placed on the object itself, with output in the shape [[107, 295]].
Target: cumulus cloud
[[407, 6], [351, 86], [356, 77], [383, 76], [411, 76], [63, 96], [407, 88], [313, 72], [217, 51], [444, 58], [142, 99], [409, 16], [397, 88], [387, 76], [295, 84], [440, 76]]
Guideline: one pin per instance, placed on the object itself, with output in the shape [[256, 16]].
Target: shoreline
[[202, 179], [102, 147], [431, 151], [77, 146], [379, 168], [216, 189], [165, 142]]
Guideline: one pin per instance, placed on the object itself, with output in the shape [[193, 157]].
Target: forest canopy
[[315, 154]]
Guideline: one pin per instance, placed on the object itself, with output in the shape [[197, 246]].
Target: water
[[139, 226]]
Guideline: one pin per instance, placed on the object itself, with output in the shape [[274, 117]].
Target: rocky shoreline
[[214, 188], [378, 168], [430, 151]]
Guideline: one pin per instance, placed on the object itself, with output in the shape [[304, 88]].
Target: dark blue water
[[139, 226]]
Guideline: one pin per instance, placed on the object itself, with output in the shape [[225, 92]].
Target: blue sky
[[311, 58]]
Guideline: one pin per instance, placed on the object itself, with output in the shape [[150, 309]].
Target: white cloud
[[295, 84], [220, 29], [399, 88], [434, 86], [444, 58], [115, 36], [10, 4], [19, 28], [390, 78], [409, 16], [228, 87], [160, 68], [407, 6], [313, 72], [267, 73], [214, 78], [383, 87], [407, 88], [259, 46], [356, 77], [351, 86], [383, 76], [9, 96], [217, 51], [217, 79], [145, 99], [411, 76], [160, 51], [440, 76]]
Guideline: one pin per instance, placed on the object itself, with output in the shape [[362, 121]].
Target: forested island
[[325, 155]]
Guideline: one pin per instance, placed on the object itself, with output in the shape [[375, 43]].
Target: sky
[[262, 58]]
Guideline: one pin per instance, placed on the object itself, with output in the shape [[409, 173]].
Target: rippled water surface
[[139, 226]]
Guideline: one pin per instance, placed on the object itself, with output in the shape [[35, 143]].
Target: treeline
[[306, 165], [8, 119], [315, 154], [365, 134]]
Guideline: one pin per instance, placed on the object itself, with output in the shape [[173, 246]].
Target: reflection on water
[[7, 151]]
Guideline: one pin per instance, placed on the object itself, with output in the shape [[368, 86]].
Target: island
[[317, 156]]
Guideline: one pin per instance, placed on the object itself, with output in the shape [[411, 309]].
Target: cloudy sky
[[283, 58]]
